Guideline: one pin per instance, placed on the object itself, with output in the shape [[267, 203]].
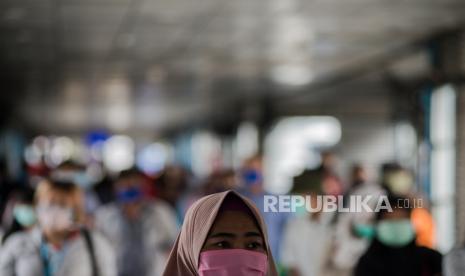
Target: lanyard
[[44, 256]]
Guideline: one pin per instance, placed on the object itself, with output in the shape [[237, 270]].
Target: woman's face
[[234, 230]]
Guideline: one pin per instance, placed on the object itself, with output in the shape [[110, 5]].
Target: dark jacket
[[410, 260]]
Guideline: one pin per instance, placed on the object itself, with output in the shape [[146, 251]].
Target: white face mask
[[55, 218]]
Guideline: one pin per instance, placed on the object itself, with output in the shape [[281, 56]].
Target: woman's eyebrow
[[253, 234], [222, 234]]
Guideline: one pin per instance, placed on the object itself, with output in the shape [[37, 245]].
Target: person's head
[[129, 186], [172, 183], [394, 227], [234, 228], [23, 208], [59, 206], [358, 175], [328, 160], [70, 171], [252, 175], [224, 234], [397, 180], [129, 191], [309, 184], [220, 181]]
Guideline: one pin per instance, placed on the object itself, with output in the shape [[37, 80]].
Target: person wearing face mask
[[400, 182], [22, 216], [253, 188], [223, 234], [60, 245], [393, 250], [354, 230], [140, 230], [308, 236], [70, 171]]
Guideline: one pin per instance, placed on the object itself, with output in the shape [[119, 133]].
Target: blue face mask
[[251, 177], [24, 215], [129, 195]]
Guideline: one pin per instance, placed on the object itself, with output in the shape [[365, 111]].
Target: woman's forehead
[[234, 221]]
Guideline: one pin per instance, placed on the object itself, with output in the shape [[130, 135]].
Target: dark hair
[[63, 186], [394, 203], [68, 164], [23, 194], [129, 173]]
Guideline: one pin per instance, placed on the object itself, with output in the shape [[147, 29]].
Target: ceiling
[[156, 62]]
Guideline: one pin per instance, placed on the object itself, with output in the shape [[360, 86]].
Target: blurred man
[[171, 186], [60, 245], [307, 237], [220, 181], [354, 229], [141, 231], [332, 184], [393, 250], [358, 179], [20, 214], [400, 182], [75, 173], [252, 181]]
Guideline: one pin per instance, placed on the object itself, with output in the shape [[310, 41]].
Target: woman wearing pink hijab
[[223, 235]]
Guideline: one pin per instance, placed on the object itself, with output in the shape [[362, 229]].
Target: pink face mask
[[232, 262]]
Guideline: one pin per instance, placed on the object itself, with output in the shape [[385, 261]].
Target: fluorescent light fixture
[[292, 75]]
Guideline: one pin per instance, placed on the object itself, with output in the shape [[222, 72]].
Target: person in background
[[221, 181], [104, 190], [171, 186], [223, 234], [22, 213], [358, 181], [354, 230], [70, 171], [252, 188], [393, 251], [400, 182], [454, 262], [4, 195], [307, 237], [141, 231], [331, 183], [59, 245]]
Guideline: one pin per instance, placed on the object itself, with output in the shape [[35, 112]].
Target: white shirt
[[348, 248], [306, 244], [20, 256], [159, 230]]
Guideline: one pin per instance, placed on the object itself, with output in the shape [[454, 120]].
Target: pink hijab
[[184, 257]]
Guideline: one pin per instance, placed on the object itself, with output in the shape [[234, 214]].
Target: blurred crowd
[[57, 221]]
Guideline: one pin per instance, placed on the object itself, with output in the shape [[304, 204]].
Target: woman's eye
[[255, 245], [221, 244]]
